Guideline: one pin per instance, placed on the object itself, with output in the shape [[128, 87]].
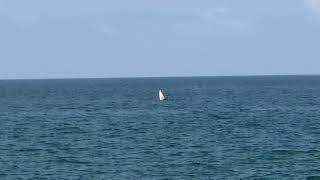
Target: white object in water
[[161, 96]]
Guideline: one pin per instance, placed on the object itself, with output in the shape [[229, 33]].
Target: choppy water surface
[[210, 128]]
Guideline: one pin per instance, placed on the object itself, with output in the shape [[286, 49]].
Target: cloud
[[221, 17], [108, 17], [209, 13], [313, 5]]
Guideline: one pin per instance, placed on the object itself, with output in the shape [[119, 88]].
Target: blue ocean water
[[210, 128]]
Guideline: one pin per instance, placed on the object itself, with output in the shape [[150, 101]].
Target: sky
[[126, 38]]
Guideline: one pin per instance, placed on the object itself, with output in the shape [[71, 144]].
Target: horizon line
[[142, 77]]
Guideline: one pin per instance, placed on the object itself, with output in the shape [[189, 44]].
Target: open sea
[[264, 127]]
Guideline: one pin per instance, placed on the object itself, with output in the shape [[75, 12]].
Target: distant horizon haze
[[142, 77]]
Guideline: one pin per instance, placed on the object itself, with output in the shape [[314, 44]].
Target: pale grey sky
[[122, 38]]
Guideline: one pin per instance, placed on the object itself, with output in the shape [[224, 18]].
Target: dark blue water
[[210, 128]]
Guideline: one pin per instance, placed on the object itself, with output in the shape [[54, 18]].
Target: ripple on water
[[210, 128]]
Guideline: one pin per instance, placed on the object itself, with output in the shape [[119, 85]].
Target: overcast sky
[[129, 38]]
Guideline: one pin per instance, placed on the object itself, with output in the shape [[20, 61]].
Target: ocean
[[258, 127]]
